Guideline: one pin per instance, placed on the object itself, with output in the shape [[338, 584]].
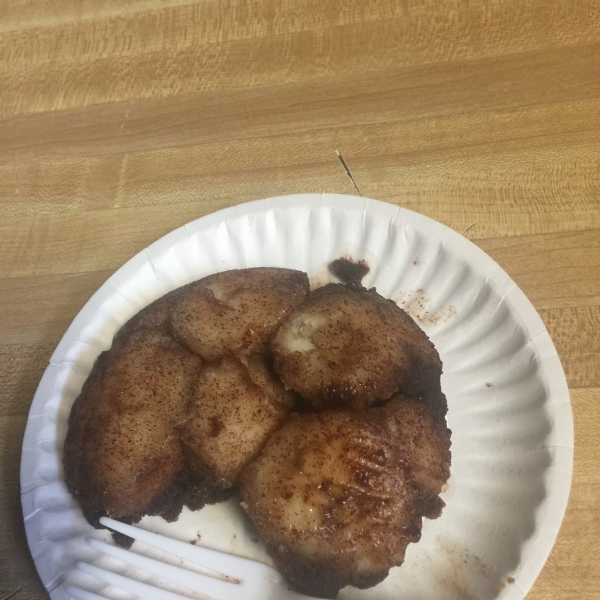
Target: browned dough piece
[[235, 407], [349, 347], [154, 316], [337, 496], [121, 452], [140, 466], [422, 443], [236, 312]]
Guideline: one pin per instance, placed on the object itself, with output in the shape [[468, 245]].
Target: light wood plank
[[120, 120], [38, 310], [106, 239], [161, 55], [90, 241], [554, 270], [21, 368], [461, 98], [22, 15], [575, 332], [586, 414], [495, 193]]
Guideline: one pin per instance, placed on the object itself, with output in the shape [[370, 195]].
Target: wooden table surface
[[120, 120]]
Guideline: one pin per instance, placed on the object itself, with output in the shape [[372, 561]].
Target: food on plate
[[325, 406], [338, 495], [236, 312], [122, 451], [349, 272], [347, 346], [155, 316], [123, 455], [233, 410]]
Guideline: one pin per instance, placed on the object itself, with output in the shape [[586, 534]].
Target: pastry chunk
[[236, 312], [235, 407], [122, 451], [337, 496], [346, 346]]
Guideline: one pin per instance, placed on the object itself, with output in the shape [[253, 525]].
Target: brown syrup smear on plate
[[349, 272]]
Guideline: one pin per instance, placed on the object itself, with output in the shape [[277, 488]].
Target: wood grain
[[237, 44], [121, 120], [568, 261]]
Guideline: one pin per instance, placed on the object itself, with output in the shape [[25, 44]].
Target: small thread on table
[[339, 155], [471, 226]]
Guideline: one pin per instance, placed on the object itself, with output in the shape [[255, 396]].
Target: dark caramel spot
[[349, 272]]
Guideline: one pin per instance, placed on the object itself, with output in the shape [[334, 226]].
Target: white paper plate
[[512, 441]]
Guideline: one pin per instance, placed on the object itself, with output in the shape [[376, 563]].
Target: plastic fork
[[244, 579]]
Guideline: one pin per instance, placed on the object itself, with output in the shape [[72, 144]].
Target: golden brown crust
[[237, 311], [348, 346], [121, 450], [123, 455], [338, 496], [232, 412], [85, 489], [154, 316], [421, 442]]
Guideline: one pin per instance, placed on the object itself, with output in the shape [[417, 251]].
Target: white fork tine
[[217, 588], [251, 580], [222, 562], [142, 590]]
